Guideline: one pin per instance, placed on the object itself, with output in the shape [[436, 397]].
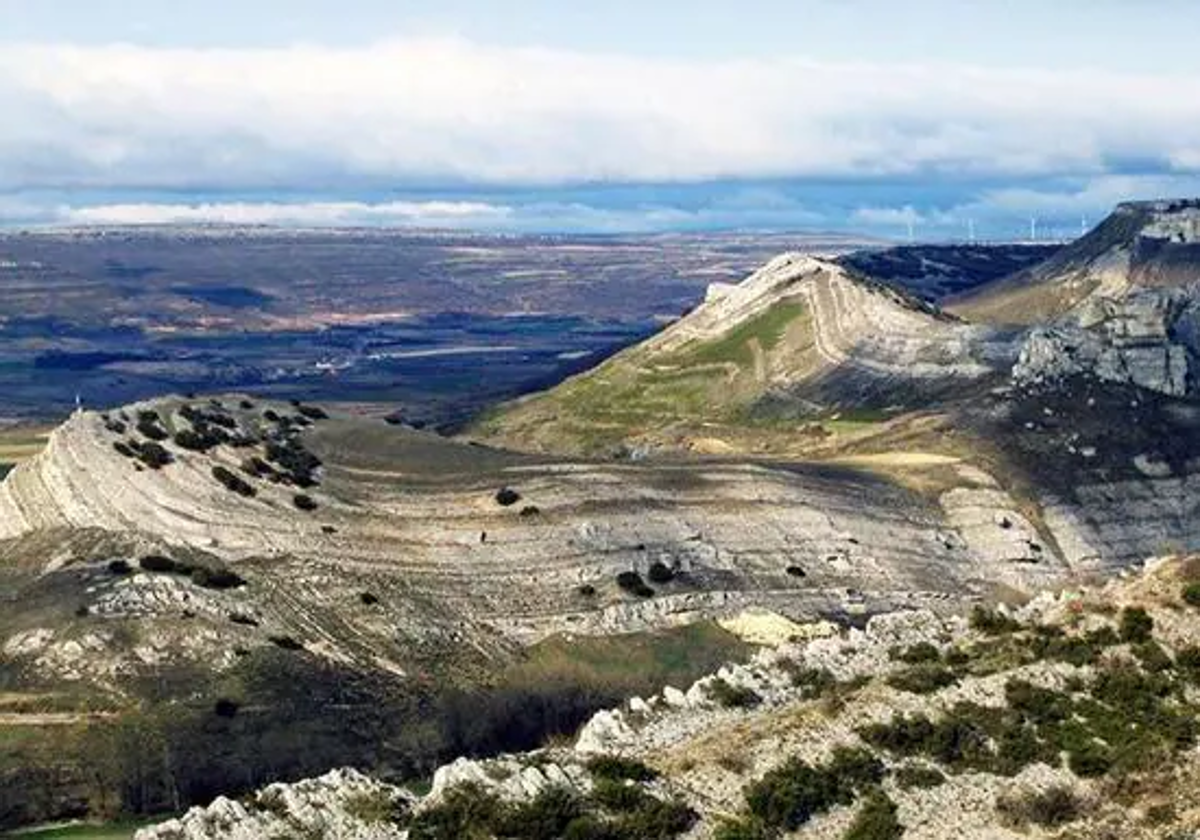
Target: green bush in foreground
[[1191, 594], [729, 696], [876, 820]]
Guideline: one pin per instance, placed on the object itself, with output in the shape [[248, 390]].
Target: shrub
[[917, 654], [1136, 625], [226, 708], [729, 696], [632, 583], [545, 817], [368, 598], [1153, 657], [993, 622], [297, 463], [529, 510], [796, 571], [1191, 594], [242, 618], [911, 776], [791, 795], [376, 807], [285, 642], [812, 682], [154, 456], [507, 497], [856, 767], [233, 482], [618, 796], [660, 573], [124, 448], [876, 820], [217, 578], [742, 829], [1188, 660], [150, 425], [119, 567], [158, 563], [922, 679], [467, 811], [587, 590], [312, 412], [1090, 760], [1050, 808], [304, 502], [619, 768]]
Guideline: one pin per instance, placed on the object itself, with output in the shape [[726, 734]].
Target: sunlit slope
[[801, 345]]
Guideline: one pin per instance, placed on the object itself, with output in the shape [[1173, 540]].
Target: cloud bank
[[408, 114]]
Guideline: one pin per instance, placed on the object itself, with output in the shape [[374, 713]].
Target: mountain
[[1014, 723], [803, 349], [1142, 245], [1121, 303]]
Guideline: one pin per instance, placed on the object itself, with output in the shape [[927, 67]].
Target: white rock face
[[325, 807]]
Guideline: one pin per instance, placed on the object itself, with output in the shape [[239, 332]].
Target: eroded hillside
[[1074, 716]]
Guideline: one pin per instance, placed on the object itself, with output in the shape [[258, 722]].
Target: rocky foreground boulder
[[1074, 715]]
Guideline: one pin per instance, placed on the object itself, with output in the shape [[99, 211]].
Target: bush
[[242, 618], [124, 449], [742, 829], [911, 776], [922, 679], [467, 811], [876, 820], [993, 622], [1090, 760], [150, 425], [233, 482], [285, 642], [119, 567], [304, 502], [1136, 625], [529, 510], [1191, 594], [154, 456], [660, 573], [632, 583], [729, 696], [377, 807], [796, 571], [158, 563], [507, 497], [619, 768], [312, 412], [217, 578], [791, 795], [297, 464], [812, 682], [917, 654], [587, 590], [1153, 657], [226, 708], [545, 817], [368, 598], [1051, 808]]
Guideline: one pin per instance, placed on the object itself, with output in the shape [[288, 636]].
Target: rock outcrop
[[871, 695]]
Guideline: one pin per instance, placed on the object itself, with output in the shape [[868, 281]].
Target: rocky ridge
[[709, 746]]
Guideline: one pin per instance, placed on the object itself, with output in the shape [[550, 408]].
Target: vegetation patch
[[233, 482], [632, 583], [729, 696], [613, 813], [1050, 808]]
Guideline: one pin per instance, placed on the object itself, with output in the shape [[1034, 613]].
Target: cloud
[[436, 112], [443, 214]]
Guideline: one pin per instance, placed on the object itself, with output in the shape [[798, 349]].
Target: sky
[[935, 116]]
